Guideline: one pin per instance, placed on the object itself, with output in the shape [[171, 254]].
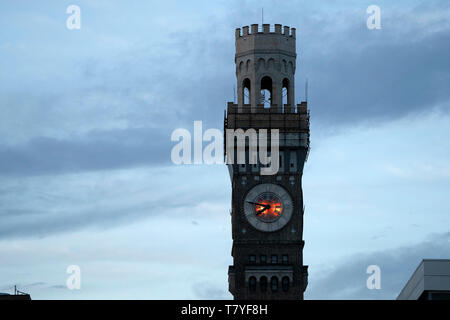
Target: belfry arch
[[266, 91]]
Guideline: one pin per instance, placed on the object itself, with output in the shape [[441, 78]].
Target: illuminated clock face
[[268, 207]]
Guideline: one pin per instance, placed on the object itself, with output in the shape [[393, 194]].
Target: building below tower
[[430, 281]]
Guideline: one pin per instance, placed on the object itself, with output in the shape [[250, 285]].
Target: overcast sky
[[86, 118]]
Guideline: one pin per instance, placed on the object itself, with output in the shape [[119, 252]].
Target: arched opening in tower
[[246, 90], [285, 92], [266, 91]]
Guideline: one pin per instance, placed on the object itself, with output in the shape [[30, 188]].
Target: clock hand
[[259, 212], [260, 204], [266, 207]]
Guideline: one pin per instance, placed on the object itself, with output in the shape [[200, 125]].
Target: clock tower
[[267, 209]]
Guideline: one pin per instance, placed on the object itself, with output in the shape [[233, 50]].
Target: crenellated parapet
[[265, 39], [266, 29], [265, 66]]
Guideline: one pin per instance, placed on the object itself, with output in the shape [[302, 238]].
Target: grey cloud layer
[[96, 151], [355, 75], [348, 279]]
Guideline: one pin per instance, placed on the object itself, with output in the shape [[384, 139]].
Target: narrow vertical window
[[274, 284], [285, 284], [274, 259], [252, 284], [263, 284], [263, 259]]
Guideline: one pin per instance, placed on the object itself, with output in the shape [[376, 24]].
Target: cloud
[[208, 291], [382, 81], [88, 108], [347, 280], [40, 206], [98, 150]]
